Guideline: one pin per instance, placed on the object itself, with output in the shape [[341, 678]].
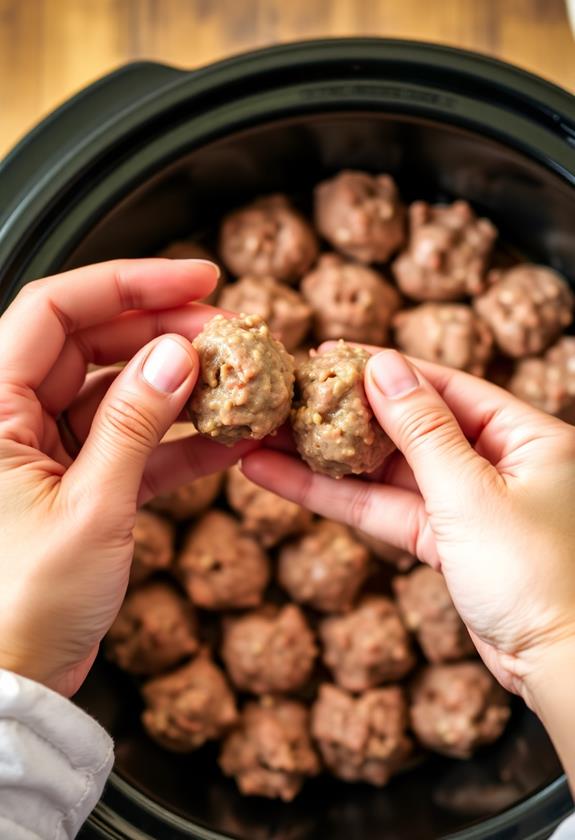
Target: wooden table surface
[[51, 48]]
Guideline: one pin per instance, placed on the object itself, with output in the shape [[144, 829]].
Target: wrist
[[547, 671]]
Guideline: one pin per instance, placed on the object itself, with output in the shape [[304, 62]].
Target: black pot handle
[[36, 155]]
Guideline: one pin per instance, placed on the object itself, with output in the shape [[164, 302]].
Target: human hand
[[66, 524], [482, 488]]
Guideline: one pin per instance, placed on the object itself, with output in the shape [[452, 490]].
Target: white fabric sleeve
[[54, 762], [566, 830]]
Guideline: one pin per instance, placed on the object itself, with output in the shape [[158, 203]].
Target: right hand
[[482, 488]]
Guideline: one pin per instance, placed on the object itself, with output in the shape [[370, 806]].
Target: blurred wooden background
[[51, 48]]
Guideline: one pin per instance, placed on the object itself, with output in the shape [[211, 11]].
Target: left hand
[[66, 524]]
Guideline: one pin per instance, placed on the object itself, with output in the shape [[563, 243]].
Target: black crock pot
[[150, 153]]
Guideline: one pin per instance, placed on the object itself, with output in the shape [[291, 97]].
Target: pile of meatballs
[[300, 645]]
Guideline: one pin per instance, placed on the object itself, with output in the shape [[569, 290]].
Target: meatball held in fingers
[[334, 428], [246, 380], [270, 752]]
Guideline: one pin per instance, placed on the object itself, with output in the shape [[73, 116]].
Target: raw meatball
[[387, 552], [368, 646], [526, 307], [153, 545], [184, 249], [548, 383], [189, 706], [334, 427], [283, 309], [447, 253], [268, 237], [154, 630], [324, 568], [349, 301], [457, 708], [221, 567], [265, 515], [361, 215], [361, 739], [189, 499], [269, 651], [447, 333], [270, 753], [246, 381], [427, 610]]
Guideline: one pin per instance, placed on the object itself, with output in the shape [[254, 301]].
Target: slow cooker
[[151, 153]]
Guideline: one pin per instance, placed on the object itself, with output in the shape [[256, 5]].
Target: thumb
[[421, 425], [137, 410]]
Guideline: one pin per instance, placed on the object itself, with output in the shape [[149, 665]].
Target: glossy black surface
[[153, 153]]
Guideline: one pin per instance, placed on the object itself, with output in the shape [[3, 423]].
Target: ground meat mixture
[[361, 739], [447, 333], [153, 545], [269, 651], [220, 566], [324, 568], [268, 237], [267, 516], [447, 253], [155, 629], [368, 646], [526, 307], [184, 249], [270, 753], [246, 380], [548, 383], [361, 215], [189, 499], [457, 708], [334, 428], [188, 707], [427, 610], [385, 551], [283, 309], [349, 301]]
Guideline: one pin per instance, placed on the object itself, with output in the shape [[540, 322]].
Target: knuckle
[[133, 422], [359, 506], [424, 423]]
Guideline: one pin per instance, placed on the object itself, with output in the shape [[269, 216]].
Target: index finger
[[35, 326]]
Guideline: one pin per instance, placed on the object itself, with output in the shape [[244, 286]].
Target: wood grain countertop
[[49, 49]]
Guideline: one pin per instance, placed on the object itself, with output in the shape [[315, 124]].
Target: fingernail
[[168, 365], [208, 263], [392, 374]]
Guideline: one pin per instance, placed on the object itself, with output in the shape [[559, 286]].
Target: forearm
[[550, 692], [54, 761]]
